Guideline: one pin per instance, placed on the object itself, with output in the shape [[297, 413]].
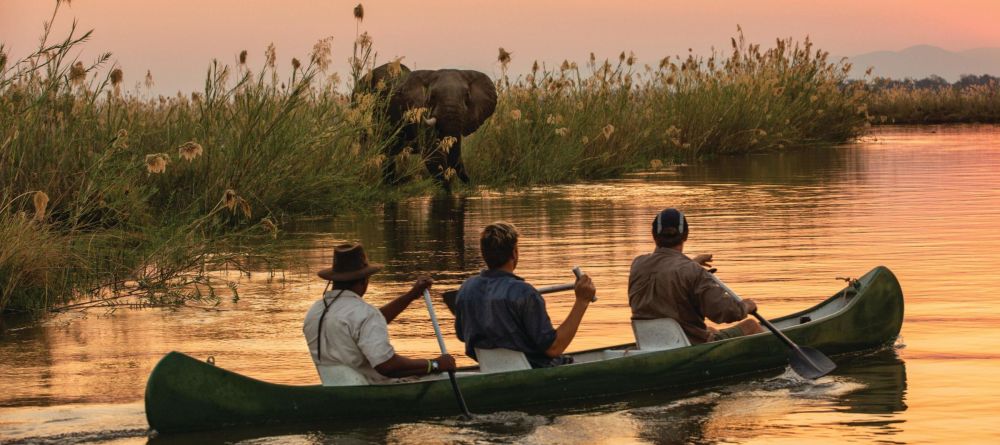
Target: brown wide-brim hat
[[349, 263]]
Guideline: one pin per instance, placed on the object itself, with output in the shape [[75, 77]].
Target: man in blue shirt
[[498, 309]]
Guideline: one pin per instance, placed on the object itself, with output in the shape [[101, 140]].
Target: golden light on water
[[781, 227]]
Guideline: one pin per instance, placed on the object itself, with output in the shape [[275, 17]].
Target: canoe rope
[[319, 331]]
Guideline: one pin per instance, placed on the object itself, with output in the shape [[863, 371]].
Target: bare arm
[[567, 330], [399, 366], [394, 307]]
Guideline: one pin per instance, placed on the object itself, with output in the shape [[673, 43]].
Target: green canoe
[[186, 394]]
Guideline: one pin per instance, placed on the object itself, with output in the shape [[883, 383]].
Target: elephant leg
[[460, 169], [389, 176], [437, 166], [389, 171], [455, 161]]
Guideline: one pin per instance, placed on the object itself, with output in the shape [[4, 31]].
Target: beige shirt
[[355, 334], [668, 284]]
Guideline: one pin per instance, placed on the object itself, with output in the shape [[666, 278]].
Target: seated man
[[498, 309], [668, 284], [342, 329]]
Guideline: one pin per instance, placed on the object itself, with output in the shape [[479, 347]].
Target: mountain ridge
[[919, 61]]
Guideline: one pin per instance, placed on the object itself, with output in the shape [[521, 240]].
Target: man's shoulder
[[658, 257], [656, 263], [518, 284], [350, 307], [640, 259], [360, 306], [508, 288], [509, 280]]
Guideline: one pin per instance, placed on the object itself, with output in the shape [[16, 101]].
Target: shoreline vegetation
[[111, 199], [932, 100]]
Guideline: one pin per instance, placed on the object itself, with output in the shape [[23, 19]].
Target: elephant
[[457, 103]]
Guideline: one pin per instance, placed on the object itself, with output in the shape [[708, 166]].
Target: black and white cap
[[670, 218]]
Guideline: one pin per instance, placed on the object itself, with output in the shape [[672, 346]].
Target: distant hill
[[924, 60]]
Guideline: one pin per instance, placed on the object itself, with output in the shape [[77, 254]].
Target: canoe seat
[[501, 360], [659, 334], [340, 375]]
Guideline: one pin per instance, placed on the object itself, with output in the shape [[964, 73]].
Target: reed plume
[[190, 150], [41, 202], [157, 163]]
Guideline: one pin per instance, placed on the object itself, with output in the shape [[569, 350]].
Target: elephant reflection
[[448, 103]]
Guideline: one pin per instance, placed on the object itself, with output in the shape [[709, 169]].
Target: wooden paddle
[[444, 350], [805, 361]]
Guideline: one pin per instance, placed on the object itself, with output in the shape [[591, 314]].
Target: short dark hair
[[497, 242], [669, 237], [347, 284]]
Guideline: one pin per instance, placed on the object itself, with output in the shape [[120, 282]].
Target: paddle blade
[[810, 363]]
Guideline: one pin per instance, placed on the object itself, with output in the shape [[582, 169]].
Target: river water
[[923, 201]]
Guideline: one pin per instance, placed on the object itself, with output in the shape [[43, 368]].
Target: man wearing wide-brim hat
[[342, 329]]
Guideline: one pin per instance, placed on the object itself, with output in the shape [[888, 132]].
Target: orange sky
[[176, 39]]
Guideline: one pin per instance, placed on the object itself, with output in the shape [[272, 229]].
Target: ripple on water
[[73, 424], [781, 226]]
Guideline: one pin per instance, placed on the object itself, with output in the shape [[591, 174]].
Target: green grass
[[144, 194]]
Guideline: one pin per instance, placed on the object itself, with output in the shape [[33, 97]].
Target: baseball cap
[[670, 218]]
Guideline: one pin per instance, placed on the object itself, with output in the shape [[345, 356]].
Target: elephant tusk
[[431, 121]]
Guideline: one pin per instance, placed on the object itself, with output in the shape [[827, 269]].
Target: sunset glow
[[176, 40], [523, 221]]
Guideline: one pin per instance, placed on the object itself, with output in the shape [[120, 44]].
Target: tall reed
[[907, 104], [566, 123], [144, 194]]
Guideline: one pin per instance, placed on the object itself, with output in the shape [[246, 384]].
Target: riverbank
[[112, 196], [974, 99]]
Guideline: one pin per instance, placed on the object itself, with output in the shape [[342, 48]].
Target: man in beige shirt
[[668, 284], [342, 329]]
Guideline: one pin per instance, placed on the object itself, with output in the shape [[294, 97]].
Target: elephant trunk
[[448, 119]]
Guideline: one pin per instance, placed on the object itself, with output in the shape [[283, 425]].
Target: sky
[[177, 39]]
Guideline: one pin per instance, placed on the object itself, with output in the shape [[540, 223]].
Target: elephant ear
[[482, 100], [414, 92], [386, 73]]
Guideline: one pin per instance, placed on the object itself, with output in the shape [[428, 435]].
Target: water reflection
[[781, 226], [873, 385], [884, 378], [426, 235]]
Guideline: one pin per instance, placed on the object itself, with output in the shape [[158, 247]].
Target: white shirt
[[355, 334]]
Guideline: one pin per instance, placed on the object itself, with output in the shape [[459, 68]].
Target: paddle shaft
[[774, 330], [451, 295], [444, 350], [556, 288]]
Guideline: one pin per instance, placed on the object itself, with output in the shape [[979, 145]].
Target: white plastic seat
[[659, 334], [501, 360], [340, 375]]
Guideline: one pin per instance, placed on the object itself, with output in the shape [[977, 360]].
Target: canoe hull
[[186, 394]]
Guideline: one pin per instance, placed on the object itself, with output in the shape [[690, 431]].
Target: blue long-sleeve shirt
[[498, 309]]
